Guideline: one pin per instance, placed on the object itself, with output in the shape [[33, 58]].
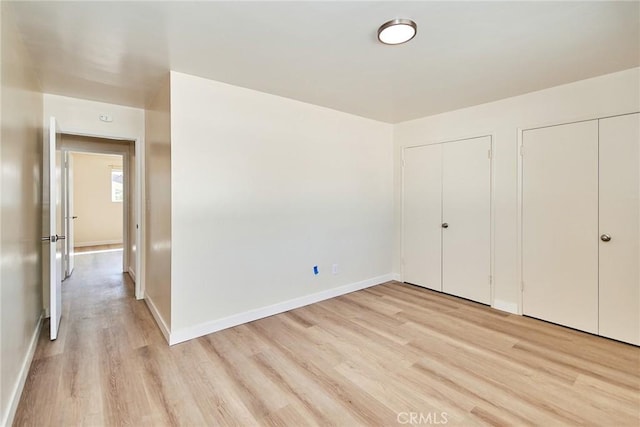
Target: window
[[117, 189]]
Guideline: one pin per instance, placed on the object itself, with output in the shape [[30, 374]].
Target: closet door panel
[[560, 224], [619, 292], [421, 210], [466, 208]]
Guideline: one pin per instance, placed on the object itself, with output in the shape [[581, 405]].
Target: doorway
[[95, 186], [58, 215], [97, 200]]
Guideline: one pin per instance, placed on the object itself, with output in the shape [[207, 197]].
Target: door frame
[[492, 137], [126, 203], [138, 199], [519, 183]]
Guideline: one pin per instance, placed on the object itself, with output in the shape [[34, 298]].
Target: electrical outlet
[[315, 270], [335, 268]]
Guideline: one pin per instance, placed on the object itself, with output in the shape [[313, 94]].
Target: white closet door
[[619, 219], [422, 201], [560, 224], [466, 209]]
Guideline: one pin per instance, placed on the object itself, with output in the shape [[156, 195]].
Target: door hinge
[[489, 153], [522, 286], [490, 280], [522, 150]]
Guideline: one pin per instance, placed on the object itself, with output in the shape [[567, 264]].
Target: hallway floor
[[386, 355], [98, 248], [88, 375]]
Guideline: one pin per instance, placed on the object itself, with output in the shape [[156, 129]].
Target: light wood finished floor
[[81, 249], [371, 358]]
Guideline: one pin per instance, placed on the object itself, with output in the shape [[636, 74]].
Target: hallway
[[91, 366]]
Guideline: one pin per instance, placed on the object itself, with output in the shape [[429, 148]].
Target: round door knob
[[605, 237], [445, 225]]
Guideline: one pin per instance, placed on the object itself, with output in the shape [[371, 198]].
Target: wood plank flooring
[[97, 248], [390, 355]]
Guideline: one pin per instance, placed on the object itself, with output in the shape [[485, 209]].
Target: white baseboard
[[156, 315], [97, 243], [132, 274], [16, 393], [507, 306], [396, 276], [206, 328]]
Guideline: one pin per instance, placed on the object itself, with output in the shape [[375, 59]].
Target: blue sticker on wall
[[315, 270]]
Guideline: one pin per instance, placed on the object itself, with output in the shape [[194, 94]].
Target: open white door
[[70, 219], [139, 218], [52, 223]]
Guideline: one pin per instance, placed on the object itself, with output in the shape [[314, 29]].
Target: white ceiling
[[326, 52]]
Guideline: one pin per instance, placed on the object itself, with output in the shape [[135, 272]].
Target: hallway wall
[[20, 217], [159, 209]]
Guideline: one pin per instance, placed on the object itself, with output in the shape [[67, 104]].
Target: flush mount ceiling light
[[397, 31]]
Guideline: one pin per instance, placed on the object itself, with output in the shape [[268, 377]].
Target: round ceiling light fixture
[[397, 31]]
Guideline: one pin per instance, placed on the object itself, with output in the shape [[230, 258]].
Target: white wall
[[20, 221], [601, 96], [158, 211], [99, 218], [264, 188]]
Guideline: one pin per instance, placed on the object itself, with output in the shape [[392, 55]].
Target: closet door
[[619, 228], [466, 211], [421, 210], [560, 224]]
